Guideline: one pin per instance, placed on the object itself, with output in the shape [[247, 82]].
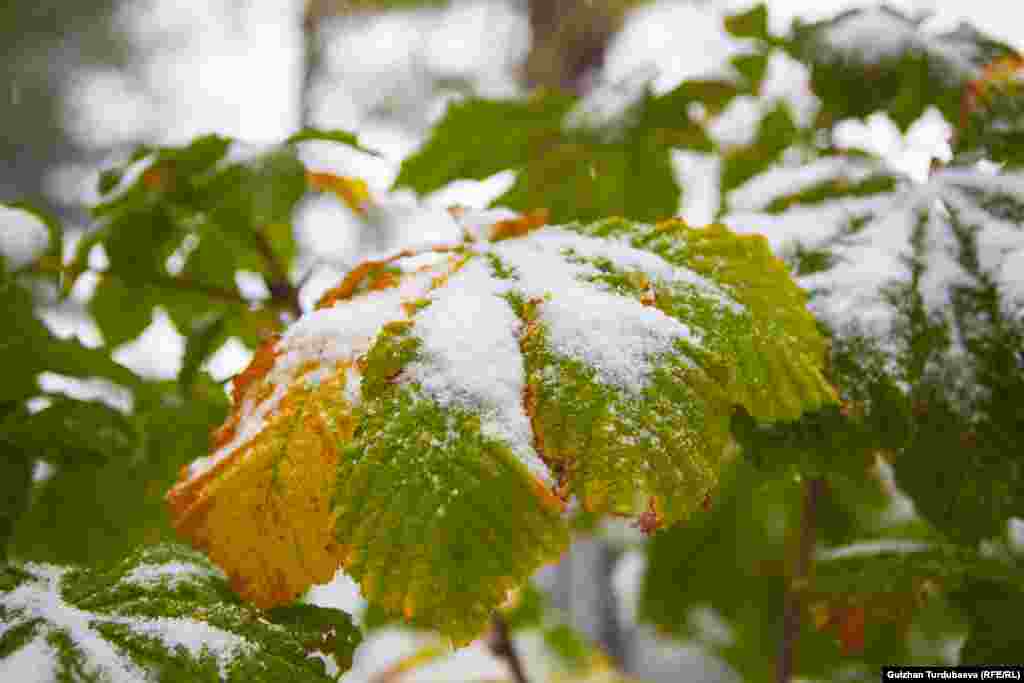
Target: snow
[[616, 336], [876, 33], [40, 598], [781, 180], [171, 573], [22, 237], [471, 357], [196, 637], [157, 353], [874, 547], [877, 254]]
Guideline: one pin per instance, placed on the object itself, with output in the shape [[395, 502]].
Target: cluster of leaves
[[916, 284]]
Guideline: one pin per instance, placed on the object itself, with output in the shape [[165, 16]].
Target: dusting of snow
[[197, 637], [171, 573]]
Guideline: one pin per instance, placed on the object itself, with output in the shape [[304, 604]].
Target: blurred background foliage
[[188, 228]]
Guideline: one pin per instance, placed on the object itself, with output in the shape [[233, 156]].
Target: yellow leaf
[[353, 191]]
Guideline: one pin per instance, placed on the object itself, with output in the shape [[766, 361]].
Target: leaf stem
[[502, 646], [812, 492]]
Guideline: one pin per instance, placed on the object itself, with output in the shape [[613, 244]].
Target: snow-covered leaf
[[877, 58], [163, 614], [426, 425], [865, 236]]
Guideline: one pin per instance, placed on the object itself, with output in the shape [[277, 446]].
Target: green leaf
[[69, 431], [929, 279], [613, 354], [993, 608], [15, 490], [206, 337], [855, 74], [478, 138], [669, 117], [122, 312], [162, 613], [750, 24], [96, 508], [340, 136], [585, 181], [776, 132]]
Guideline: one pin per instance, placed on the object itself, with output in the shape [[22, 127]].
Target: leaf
[[353, 191], [15, 490], [67, 431], [750, 24], [340, 136], [204, 340], [103, 497], [857, 594], [882, 235], [477, 138], [776, 132], [856, 72], [433, 465], [580, 160], [991, 120], [162, 613], [928, 270]]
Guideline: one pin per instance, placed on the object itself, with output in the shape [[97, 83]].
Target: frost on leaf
[[426, 426], [165, 613]]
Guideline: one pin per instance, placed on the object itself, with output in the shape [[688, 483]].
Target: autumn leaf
[[426, 426]]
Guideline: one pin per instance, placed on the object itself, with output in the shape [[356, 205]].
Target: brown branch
[[502, 646], [813, 489]]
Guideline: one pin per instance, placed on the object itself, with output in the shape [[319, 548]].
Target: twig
[[282, 291], [812, 490], [502, 646]]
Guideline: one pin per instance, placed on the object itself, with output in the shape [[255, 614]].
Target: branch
[[282, 291], [812, 490], [502, 646]]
